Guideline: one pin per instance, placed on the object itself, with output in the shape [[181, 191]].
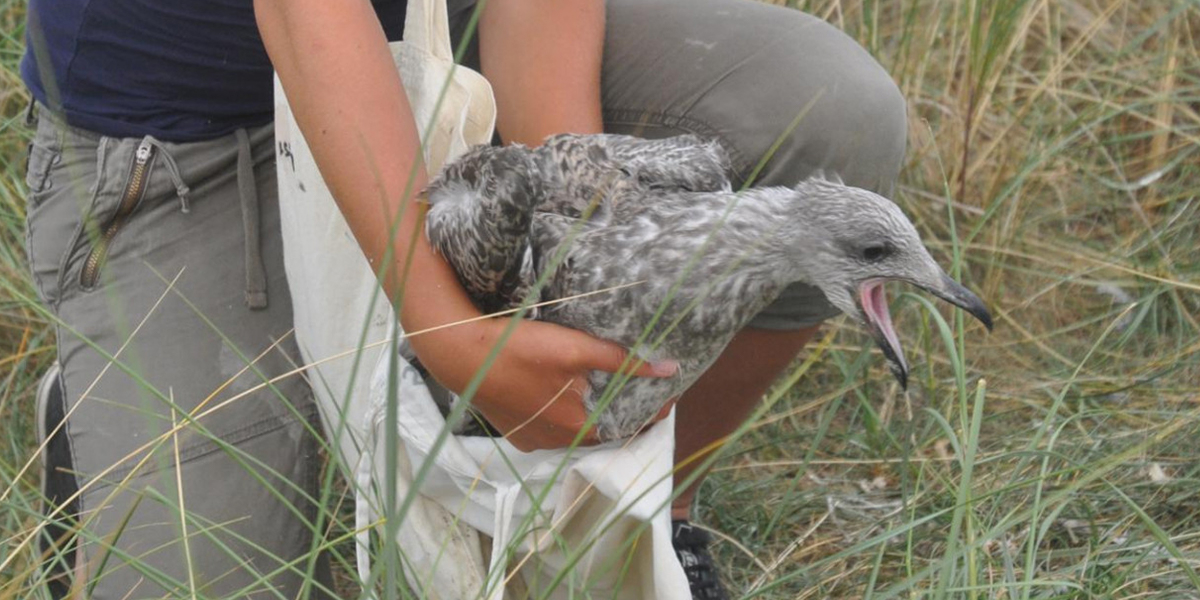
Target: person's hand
[[533, 392]]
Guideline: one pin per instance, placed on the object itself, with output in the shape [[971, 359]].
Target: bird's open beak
[[954, 293], [872, 301]]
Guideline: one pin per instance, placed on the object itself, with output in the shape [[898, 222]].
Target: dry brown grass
[[1054, 149]]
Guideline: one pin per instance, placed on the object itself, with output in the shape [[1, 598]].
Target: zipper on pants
[[130, 198]]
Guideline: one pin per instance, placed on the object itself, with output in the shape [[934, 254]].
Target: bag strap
[[364, 513], [426, 26]]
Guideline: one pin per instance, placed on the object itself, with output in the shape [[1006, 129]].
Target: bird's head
[[856, 241], [504, 178]]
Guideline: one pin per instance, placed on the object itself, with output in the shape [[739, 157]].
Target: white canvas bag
[[334, 291], [600, 514], [599, 500], [342, 318]]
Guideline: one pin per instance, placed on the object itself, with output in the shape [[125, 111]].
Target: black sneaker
[[691, 548], [58, 483]]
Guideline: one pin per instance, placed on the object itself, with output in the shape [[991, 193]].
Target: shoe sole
[[48, 388]]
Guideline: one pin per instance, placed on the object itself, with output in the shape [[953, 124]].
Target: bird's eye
[[875, 252]]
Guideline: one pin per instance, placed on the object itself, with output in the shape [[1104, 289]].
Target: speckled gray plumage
[[579, 170], [481, 211], [661, 213]]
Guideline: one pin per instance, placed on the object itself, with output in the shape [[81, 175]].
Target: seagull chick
[[598, 212]]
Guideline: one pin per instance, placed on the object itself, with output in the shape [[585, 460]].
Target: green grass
[[1054, 161], [26, 345]]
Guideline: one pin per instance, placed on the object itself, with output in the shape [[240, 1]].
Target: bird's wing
[[577, 173], [684, 163], [552, 239], [479, 218], [593, 175]]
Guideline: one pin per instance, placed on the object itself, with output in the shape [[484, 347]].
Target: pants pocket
[[42, 158], [64, 178]]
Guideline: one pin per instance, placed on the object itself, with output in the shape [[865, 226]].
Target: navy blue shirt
[[180, 70]]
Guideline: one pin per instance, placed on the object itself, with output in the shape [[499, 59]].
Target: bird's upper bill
[[872, 301]]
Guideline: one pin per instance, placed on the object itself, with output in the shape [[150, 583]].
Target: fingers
[[666, 409], [573, 417], [611, 358], [584, 351], [549, 437], [557, 423], [591, 438], [536, 393]]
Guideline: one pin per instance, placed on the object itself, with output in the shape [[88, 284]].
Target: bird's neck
[[753, 256], [768, 231]]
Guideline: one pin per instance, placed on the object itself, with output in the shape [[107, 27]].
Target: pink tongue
[[874, 302]]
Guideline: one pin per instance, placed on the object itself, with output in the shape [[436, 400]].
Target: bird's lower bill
[[872, 300]]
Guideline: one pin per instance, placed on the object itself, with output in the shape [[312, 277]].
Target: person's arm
[[542, 58], [333, 60]]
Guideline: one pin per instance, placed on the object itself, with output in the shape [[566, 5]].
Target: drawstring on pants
[[31, 114], [256, 274], [181, 188]]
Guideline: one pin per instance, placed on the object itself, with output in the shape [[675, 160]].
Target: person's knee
[[814, 99], [864, 130]]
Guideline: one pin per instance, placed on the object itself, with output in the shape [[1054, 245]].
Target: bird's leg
[[724, 396]]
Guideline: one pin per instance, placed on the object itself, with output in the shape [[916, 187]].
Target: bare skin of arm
[[334, 63], [542, 58]]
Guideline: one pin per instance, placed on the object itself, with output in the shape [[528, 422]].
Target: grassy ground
[[26, 345], [1054, 159]]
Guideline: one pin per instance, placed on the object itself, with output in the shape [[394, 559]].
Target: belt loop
[[256, 275], [31, 116]]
